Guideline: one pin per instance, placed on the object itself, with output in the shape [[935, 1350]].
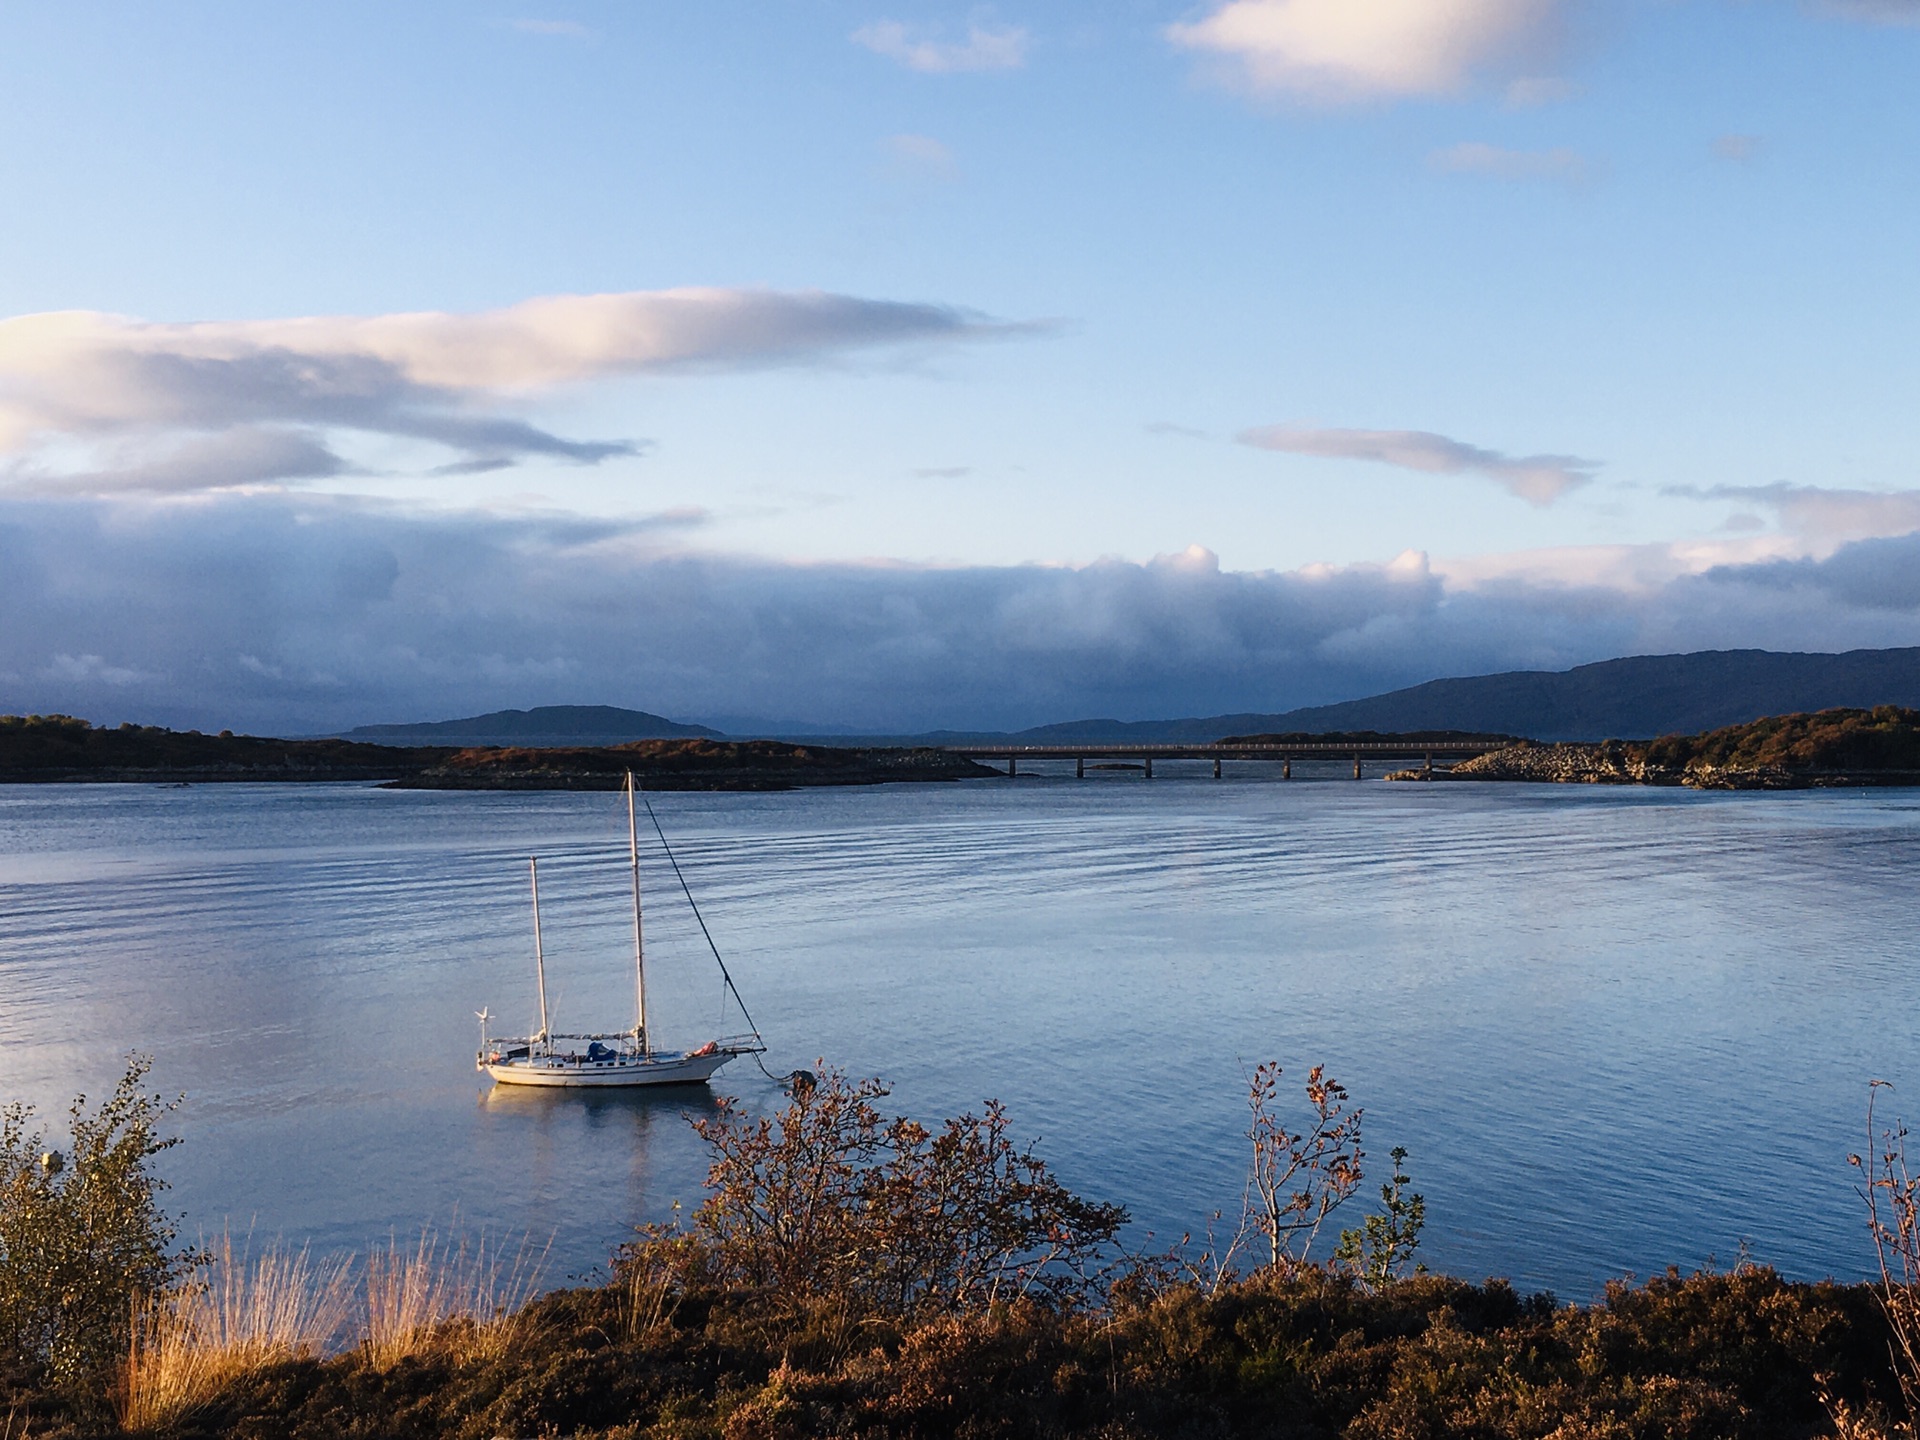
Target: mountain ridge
[[544, 725], [1633, 697]]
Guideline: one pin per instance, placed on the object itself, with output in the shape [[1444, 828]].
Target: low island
[[1828, 748], [60, 748]]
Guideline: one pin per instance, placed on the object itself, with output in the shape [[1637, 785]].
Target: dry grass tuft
[[235, 1317], [462, 1300]]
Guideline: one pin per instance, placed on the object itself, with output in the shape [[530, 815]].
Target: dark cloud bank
[[302, 613]]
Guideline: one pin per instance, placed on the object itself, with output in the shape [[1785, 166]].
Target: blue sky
[[1014, 363]]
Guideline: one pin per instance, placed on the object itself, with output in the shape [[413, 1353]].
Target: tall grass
[[235, 1316], [238, 1315], [465, 1299]]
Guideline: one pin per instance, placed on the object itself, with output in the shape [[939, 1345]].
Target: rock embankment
[[1880, 746], [1617, 763]]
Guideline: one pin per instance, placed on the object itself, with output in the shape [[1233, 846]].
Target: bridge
[[1282, 753]]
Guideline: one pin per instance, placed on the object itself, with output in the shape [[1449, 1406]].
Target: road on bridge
[[1282, 753]]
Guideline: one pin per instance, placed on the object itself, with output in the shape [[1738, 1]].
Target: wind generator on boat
[[624, 1057]]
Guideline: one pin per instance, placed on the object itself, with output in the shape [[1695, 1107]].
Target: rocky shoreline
[[1615, 762]]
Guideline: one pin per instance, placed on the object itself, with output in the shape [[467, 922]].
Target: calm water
[[1616, 1028]]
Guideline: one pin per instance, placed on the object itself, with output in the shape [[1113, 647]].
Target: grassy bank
[[854, 1273]]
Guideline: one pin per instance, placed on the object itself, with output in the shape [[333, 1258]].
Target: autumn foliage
[[1886, 737], [859, 1274]]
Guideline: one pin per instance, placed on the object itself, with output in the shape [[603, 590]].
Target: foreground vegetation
[[852, 1273]]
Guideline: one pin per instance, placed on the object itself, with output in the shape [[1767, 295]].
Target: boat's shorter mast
[[639, 946], [539, 955]]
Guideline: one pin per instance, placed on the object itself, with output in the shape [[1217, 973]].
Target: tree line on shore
[[1880, 745]]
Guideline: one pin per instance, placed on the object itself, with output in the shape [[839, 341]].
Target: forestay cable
[[725, 974]]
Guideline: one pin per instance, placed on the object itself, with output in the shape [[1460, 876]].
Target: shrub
[[831, 1200], [1380, 1250], [1892, 1195], [1297, 1179], [83, 1243]]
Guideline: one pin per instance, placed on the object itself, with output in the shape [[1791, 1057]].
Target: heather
[[856, 1272]]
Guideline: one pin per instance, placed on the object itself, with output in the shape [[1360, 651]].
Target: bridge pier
[[1149, 767], [1216, 767], [1356, 767], [1013, 766], [1427, 769], [1286, 767], [1079, 767]]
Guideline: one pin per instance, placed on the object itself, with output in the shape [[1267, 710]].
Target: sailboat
[[617, 1058]]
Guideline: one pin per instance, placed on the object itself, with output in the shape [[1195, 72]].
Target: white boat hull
[[560, 1072]]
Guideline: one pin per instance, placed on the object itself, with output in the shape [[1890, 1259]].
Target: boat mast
[[639, 948], [539, 956]]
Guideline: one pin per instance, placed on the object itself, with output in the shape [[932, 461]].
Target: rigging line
[[725, 974]]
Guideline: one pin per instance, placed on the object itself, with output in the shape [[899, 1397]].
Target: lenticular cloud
[[143, 390]]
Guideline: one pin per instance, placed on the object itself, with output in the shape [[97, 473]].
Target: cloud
[[1737, 148], [920, 156], [90, 671], [247, 455], [1877, 12], [943, 472], [985, 48], [1343, 50], [1530, 92], [1537, 479], [295, 613], [1818, 513], [1475, 158], [252, 401]]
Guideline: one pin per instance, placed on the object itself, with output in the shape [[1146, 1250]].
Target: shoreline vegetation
[[854, 1273], [1828, 748], [686, 765], [42, 749]]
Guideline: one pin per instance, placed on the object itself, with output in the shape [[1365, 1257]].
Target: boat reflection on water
[[643, 1105]]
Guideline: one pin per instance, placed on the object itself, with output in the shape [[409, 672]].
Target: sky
[[895, 366]]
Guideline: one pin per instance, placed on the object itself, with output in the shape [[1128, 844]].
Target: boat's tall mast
[[639, 946], [539, 955]]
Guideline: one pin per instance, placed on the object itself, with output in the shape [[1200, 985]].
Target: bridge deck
[[1305, 750]]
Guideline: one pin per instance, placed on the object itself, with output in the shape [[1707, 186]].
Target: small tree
[[1379, 1250], [963, 1218], [784, 1196], [1892, 1195], [83, 1241], [829, 1199], [1296, 1180]]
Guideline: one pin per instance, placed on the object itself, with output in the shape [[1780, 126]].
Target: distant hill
[[1636, 698], [543, 725]]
